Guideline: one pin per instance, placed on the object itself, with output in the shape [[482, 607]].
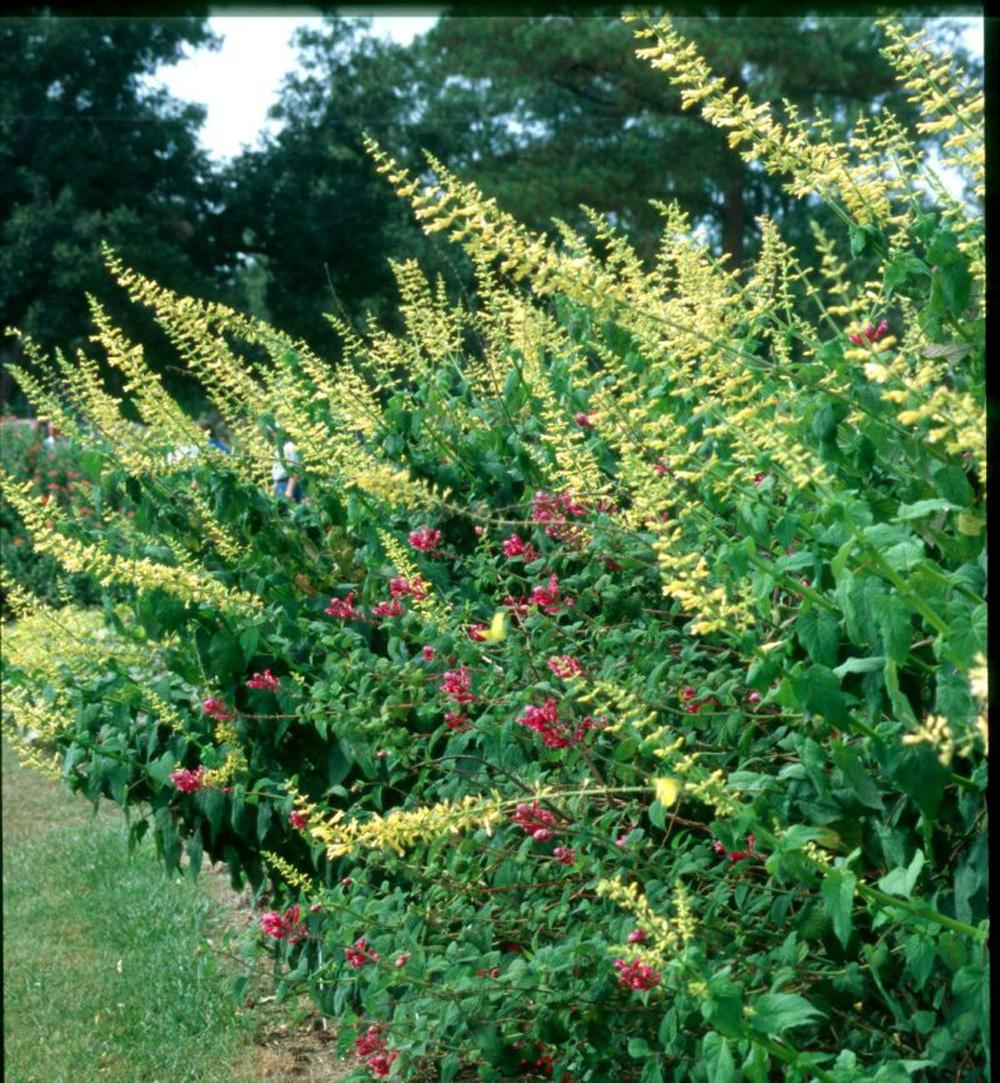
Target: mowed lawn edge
[[102, 978]]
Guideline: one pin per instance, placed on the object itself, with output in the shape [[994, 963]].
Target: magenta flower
[[637, 975], [380, 1064], [516, 546], [402, 960], [456, 685], [872, 334], [517, 607], [476, 632], [584, 419], [455, 720], [564, 854], [637, 936], [188, 781], [399, 587], [426, 539], [264, 680], [548, 597], [388, 609], [539, 823], [564, 665], [428, 652], [369, 1042], [545, 722], [285, 926], [216, 708], [298, 819], [343, 608], [360, 954]]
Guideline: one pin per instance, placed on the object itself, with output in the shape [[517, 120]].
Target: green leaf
[[194, 852], [92, 465], [922, 508], [774, 1013], [900, 704], [213, 805], [953, 485], [838, 901], [717, 1058], [818, 632], [638, 1047], [902, 273], [651, 1072], [450, 1067], [265, 811], [860, 665], [818, 692], [894, 617], [248, 641], [856, 777], [902, 881]]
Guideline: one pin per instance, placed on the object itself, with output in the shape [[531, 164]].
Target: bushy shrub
[[53, 469], [613, 705]]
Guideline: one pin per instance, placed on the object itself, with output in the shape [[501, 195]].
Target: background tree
[[544, 113], [550, 112], [307, 211], [90, 152]]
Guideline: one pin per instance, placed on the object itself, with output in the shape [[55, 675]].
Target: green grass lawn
[[101, 976]]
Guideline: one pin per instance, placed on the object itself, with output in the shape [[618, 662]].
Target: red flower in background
[[264, 680], [343, 608], [637, 975], [425, 538], [188, 781]]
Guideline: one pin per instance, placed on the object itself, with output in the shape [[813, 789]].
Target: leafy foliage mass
[[613, 704]]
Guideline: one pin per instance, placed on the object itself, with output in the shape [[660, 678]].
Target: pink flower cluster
[[388, 609], [360, 954], [564, 854], [425, 538], [285, 926], [584, 420], [400, 587], [548, 598], [692, 705], [872, 334], [539, 823], [564, 665], [518, 608], [516, 546], [737, 855], [264, 680], [637, 936], [189, 781], [545, 722], [555, 511], [343, 608], [216, 708], [456, 685], [637, 975], [298, 819], [371, 1047], [476, 632]]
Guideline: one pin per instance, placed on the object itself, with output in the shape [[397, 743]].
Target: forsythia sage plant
[[614, 704]]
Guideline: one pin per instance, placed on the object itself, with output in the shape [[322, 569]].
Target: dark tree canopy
[[89, 153]]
